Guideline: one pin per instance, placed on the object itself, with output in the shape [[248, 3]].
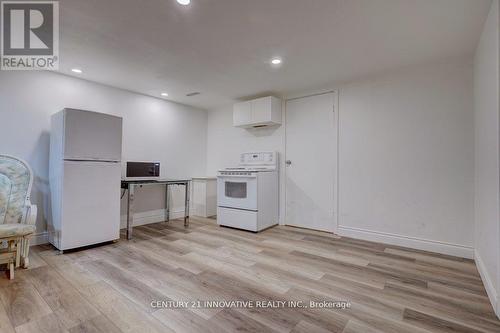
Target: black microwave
[[142, 169]]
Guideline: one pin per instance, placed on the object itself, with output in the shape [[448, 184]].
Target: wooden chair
[[17, 214]]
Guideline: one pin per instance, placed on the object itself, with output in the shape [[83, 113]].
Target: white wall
[[154, 129], [486, 118], [225, 142], [406, 159]]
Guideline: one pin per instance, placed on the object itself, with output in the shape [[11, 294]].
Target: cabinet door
[[242, 113], [199, 198], [261, 110]]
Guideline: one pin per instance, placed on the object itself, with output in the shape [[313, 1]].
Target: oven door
[[237, 191]]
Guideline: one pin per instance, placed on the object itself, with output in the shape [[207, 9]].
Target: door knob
[[288, 162]]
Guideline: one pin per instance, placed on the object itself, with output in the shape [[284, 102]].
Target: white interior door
[[311, 149]]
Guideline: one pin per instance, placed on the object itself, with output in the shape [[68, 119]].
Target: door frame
[[335, 152]]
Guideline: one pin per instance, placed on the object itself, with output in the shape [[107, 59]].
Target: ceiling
[[223, 48]]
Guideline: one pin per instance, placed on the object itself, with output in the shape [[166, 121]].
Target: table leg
[[130, 212], [186, 207], [167, 204]]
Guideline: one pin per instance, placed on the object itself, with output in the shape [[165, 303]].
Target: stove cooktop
[[250, 169]]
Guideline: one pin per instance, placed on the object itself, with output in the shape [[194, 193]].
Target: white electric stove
[[247, 195]]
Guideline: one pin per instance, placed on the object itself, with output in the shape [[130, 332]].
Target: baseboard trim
[[152, 216], [406, 241], [488, 284], [39, 238]]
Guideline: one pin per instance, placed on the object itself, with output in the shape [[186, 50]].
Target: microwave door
[[143, 170]]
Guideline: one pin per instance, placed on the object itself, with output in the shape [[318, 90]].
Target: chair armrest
[[32, 211]]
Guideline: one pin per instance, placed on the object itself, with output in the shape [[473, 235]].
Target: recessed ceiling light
[[164, 94], [76, 70], [184, 2], [276, 61]]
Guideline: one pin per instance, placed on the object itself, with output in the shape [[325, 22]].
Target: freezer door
[[90, 203], [92, 136]]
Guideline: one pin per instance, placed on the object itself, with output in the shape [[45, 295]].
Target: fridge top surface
[[69, 110], [90, 160]]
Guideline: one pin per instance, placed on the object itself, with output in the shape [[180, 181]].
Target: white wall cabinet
[[204, 197], [256, 113], [242, 113]]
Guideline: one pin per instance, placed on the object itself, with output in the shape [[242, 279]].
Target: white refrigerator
[[85, 175]]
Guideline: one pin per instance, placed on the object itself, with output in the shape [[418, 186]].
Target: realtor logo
[[30, 35]]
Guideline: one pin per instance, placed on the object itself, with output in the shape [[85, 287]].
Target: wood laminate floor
[[110, 288]]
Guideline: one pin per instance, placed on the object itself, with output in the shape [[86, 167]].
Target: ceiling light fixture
[[76, 70], [276, 61], [164, 94], [184, 2]]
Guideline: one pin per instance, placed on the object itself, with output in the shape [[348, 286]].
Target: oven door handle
[[236, 176]]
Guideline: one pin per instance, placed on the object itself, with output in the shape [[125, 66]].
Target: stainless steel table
[[131, 185]]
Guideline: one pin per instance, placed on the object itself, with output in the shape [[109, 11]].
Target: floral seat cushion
[[16, 230]]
